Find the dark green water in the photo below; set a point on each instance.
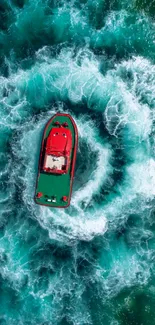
(94, 263)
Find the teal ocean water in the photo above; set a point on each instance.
(93, 263)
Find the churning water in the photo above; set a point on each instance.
(93, 263)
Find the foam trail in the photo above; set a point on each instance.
(102, 168)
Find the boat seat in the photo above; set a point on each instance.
(54, 162)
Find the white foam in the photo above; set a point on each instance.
(83, 226)
(125, 111)
(102, 167)
(143, 77)
(143, 177)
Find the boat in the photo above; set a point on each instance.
(57, 162)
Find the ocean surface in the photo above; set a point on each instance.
(94, 262)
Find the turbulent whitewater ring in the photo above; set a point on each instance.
(93, 262)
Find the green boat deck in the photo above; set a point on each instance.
(55, 184)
